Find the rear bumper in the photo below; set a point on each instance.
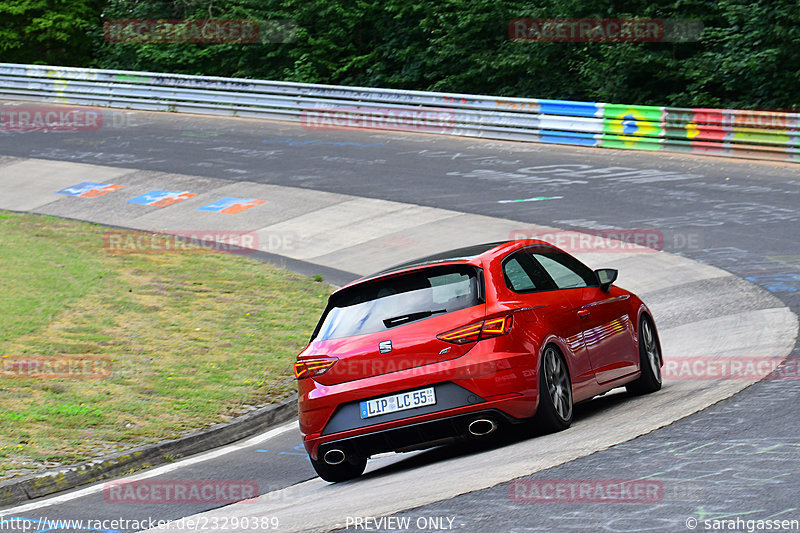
(503, 384)
(417, 435)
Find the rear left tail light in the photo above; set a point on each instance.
(308, 368)
(493, 327)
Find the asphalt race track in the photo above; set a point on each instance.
(727, 284)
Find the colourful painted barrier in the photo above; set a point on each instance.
(719, 132)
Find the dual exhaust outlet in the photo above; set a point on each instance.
(479, 427)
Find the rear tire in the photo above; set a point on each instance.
(351, 468)
(649, 360)
(555, 392)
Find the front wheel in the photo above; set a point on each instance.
(351, 468)
(555, 392)
(649, 360)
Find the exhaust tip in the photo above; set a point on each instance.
(334, 457)
(481, 427)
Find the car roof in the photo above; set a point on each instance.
(468, 254)
(459, 254)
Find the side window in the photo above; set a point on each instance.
(516, 278)
(522, 274)
(566, 271)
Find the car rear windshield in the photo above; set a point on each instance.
(388, 303)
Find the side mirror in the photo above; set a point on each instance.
(606, 276)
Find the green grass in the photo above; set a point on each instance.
(191, 338)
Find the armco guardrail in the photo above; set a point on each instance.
(719, 132)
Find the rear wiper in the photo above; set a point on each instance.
(410, 317)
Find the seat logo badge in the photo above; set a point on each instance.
(385, 347)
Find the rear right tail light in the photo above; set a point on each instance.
(494, 327)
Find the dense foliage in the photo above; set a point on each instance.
(747, 57)
(51, 32)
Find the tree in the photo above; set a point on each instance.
(746, 57)
(48, 32)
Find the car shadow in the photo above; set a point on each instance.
(506, 435)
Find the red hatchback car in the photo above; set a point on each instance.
(452, 345)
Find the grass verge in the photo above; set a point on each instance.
(186, 338)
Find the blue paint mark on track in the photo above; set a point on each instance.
(230, 205)
(776, 281)
(161, 198)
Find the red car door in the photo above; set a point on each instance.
(549, 309)
(608, 333)
(603, 316)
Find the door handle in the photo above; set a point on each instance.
(584, 314)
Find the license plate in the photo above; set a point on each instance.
(398, 402)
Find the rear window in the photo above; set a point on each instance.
(385, 304)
